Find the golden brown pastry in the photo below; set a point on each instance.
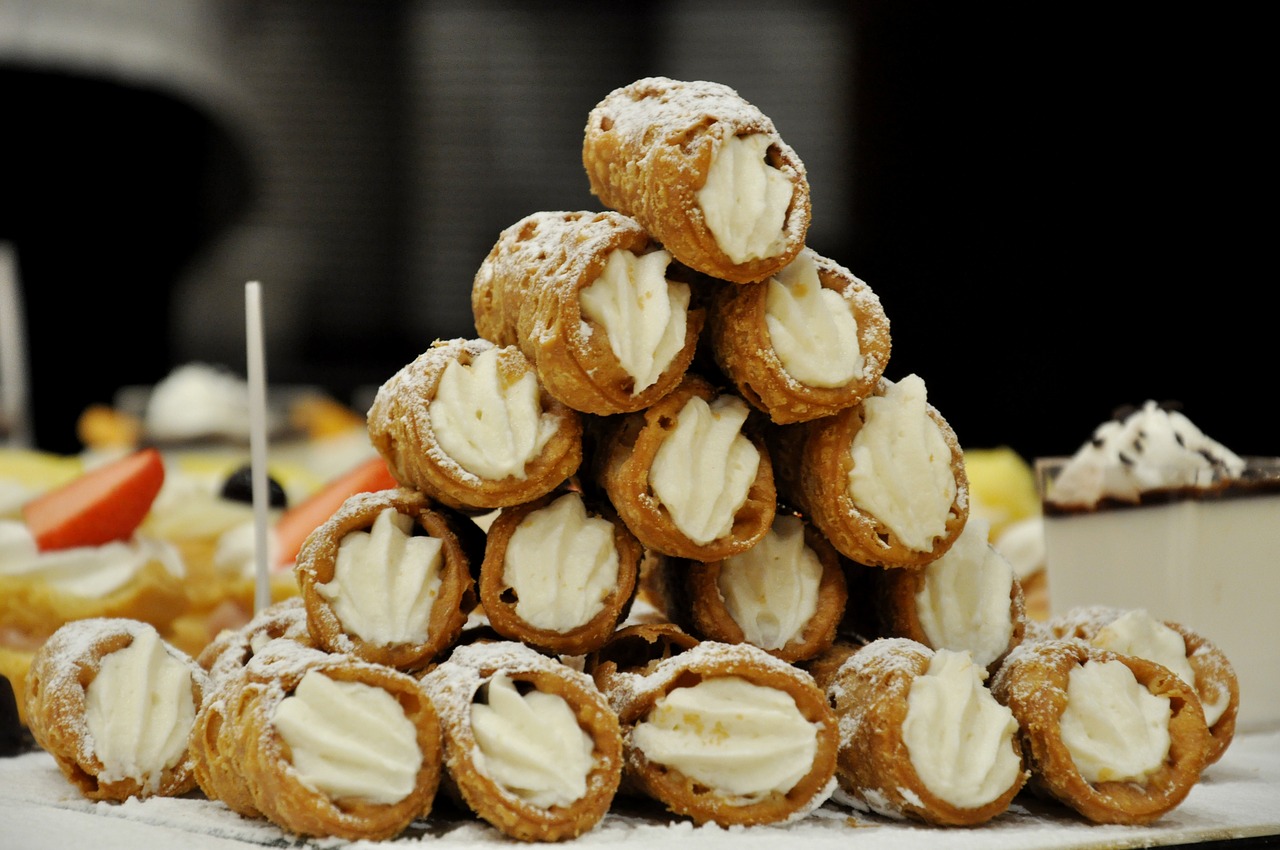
(232, 648)
(1117, 738)
(597, 306)
(634, 650)
(806, 343)
(786, 594)
(1191, 656)
(531, 745)
(468, 424)
(559, 573)
(883, 480)
(726, 734)
(689, 475)
(322, 744)
(114, 705)
(704, 171)
(921, 736)
(967, 599)
(386, 579)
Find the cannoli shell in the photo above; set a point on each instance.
(635, 697)
(625, 453)
(56, 693)
(401, 430)
(497, 596)
(526, 293)
(742, 347)
(452, 686)
(1033, 684)
(648, 149)
(813, 460)
(869, 685)
(317, 564)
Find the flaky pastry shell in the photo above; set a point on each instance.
(648, 148)
(743, 349)
(317, 563)
(1032, 682)
(526, 293)
(400, 428)
(626, 446)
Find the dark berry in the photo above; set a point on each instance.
(239, 488)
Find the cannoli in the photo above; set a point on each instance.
(727, 734)
(114, 705)
(883, 480)
(921, 736)
(559, 573)
(808, 342)
(689, 476)
(632, 651)
(594, 303)
(1192, 657)
(136, 579)
(702, 170)
(530, 744)
(968, 599)
(786, 594)
(386, 578)
(325, 744)
(1117, 738)
(467, 423)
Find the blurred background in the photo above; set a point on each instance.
(1061, 208)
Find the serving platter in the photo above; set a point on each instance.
(1237, 802)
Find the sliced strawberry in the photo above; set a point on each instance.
(303, 518)
(106, 503)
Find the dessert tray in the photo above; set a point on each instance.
(1235, 801)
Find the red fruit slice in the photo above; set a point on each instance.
(297, 522)
(107, 503)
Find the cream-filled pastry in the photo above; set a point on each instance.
(386, 578)
(807, 342)
(1117, 738)
(598, 307)
(704, 171)
(921, 736)
(559, 573)
(726, 734)
(114, 704)
(883, 480)
(468, 423)
(687, 475)
(531, 745)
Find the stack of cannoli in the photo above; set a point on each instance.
(667, 527)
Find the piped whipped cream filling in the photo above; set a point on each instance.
(139, 711)
(958, 736)
(771, 590)
(1139, 634)
(88, 571)
(643, 314)
(1150, 449)
(562, 564)
(385, 581)
(704, 468)
(745, 199)
(531, 744)
(1115, 729)
(812, 328)
(490, 428)
(743, 740)
(964, 601)
(901, 471)
(349, 740)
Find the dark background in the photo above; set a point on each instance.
(1063, 208)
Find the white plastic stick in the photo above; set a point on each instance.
(258, 442)
(14, 377)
